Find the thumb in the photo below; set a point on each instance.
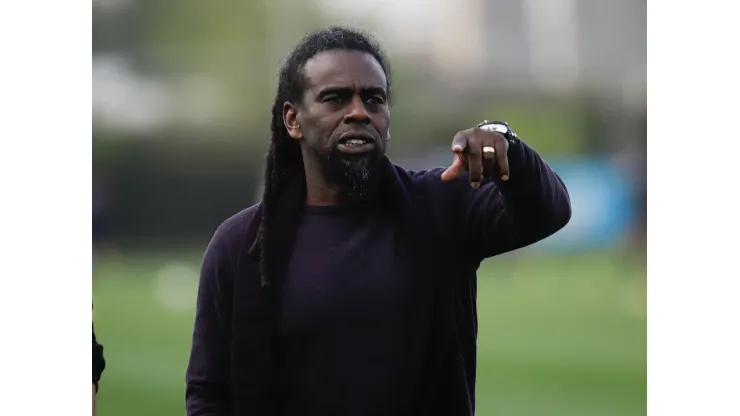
(455, 170)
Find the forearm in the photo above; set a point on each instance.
(530, 206)
(207, 399)
(207, 389)
(534, 190)
(207, 378)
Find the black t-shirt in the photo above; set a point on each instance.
(344, 326)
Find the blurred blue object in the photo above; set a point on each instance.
(602, 203)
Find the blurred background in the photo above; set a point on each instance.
(181, 99)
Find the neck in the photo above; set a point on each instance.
(319, 192)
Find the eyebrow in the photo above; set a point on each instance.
(337, 90)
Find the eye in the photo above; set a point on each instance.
(335, 99)
(376, 100)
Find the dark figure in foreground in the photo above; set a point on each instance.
(351, 288)
(98, 365)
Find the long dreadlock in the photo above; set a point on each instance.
(284, 159)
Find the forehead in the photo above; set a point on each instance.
(339, 67)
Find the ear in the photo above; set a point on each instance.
(290, 118)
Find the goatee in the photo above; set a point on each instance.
(355, 175)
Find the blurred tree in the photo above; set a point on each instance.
(236, 44)
(116, 29)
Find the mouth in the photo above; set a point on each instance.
(356, 143)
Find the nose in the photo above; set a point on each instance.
(357, 112)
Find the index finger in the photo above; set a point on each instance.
(457, 168)
(459, 143)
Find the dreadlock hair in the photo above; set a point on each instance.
(284, 158)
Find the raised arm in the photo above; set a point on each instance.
(523, 202)
(207, 379)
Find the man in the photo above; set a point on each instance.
(351, 288)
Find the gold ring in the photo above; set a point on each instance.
(489, 149)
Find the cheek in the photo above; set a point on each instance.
(382, 124)
(385, 117)
(310, 127)
(318, 134)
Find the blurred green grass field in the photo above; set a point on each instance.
(558, 335)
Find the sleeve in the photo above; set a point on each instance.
(207, 377)
(504, 216)
(98, 361)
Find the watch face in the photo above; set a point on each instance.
(498, 128)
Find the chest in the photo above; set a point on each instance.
(345, 274)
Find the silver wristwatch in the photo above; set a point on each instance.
(500, 127)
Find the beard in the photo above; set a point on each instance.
(356, 176)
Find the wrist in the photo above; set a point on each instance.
(505, 130)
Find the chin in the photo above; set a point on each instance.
(356, 175)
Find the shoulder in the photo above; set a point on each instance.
(237, 232)
(227, 251)
(238, 225)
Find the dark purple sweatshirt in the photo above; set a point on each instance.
(375, 313)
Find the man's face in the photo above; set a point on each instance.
(343, 119)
